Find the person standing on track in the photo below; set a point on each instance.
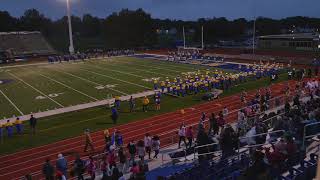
(79, 167)
(48, 170)
(156, 146)
(148, 144)
(33, 124)
(62, 165)
(132, 150)
(88, 141)
(182, 135)
(189, 135)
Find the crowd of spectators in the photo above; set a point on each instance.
(274, 139)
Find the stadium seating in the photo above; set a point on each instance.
(25, 43)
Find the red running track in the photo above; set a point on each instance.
(30, 161)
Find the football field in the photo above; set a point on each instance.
(35, 88)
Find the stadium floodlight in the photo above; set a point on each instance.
(71, 47)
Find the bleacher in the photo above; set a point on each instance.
(25, 43)
(242, 164)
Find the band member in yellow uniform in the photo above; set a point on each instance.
(18, 124)
(162, 85)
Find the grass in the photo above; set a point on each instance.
(75, 83)
(72, 124)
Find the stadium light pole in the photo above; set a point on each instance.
(202, 43)
(254, 35)
(184, 38)
(71, 47)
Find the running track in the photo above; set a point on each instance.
(30, 161)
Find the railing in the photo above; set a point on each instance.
(305, 137)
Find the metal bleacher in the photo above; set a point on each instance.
(25, 43)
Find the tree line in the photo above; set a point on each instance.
(136, 28)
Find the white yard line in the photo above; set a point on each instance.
(117, 71)
(116, 79)
(92, 82)
(165, 75)
(35, 89)
(69, 87)
(11, 102)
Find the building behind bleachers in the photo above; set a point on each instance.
(25, 43)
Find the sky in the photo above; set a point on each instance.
(172, 9)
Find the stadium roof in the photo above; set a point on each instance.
(305, 36)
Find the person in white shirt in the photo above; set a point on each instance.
(182, 135)
(148, 144)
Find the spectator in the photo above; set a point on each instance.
(132, 150)
(122, 177)
(79, 167)
(122, 160)
(225, 112)
(112, 158)
(131, 104)
(214, 127)
(148, 144)
(189, 135)
(141, 150)
(107, 139)
(182, 135)
(145, 103)
(88, 141)
(91, 168)
(221, 121)
(33, 124)
(135, 169)
(62, 165)
(117, 139)
(48, 170)
(104, 167)
(228, 141)
(115, 174)
(156, 146)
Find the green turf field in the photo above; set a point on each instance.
(48, 86)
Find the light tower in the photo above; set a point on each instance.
(71, 47)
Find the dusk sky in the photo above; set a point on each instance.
(173, 9)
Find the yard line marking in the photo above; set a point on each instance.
(68, 87)
(11, 102)
(35, 89)
(117, 71)
(92, 82)
(115, 78)
(165, 75)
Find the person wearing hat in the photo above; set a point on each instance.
(88, 141)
